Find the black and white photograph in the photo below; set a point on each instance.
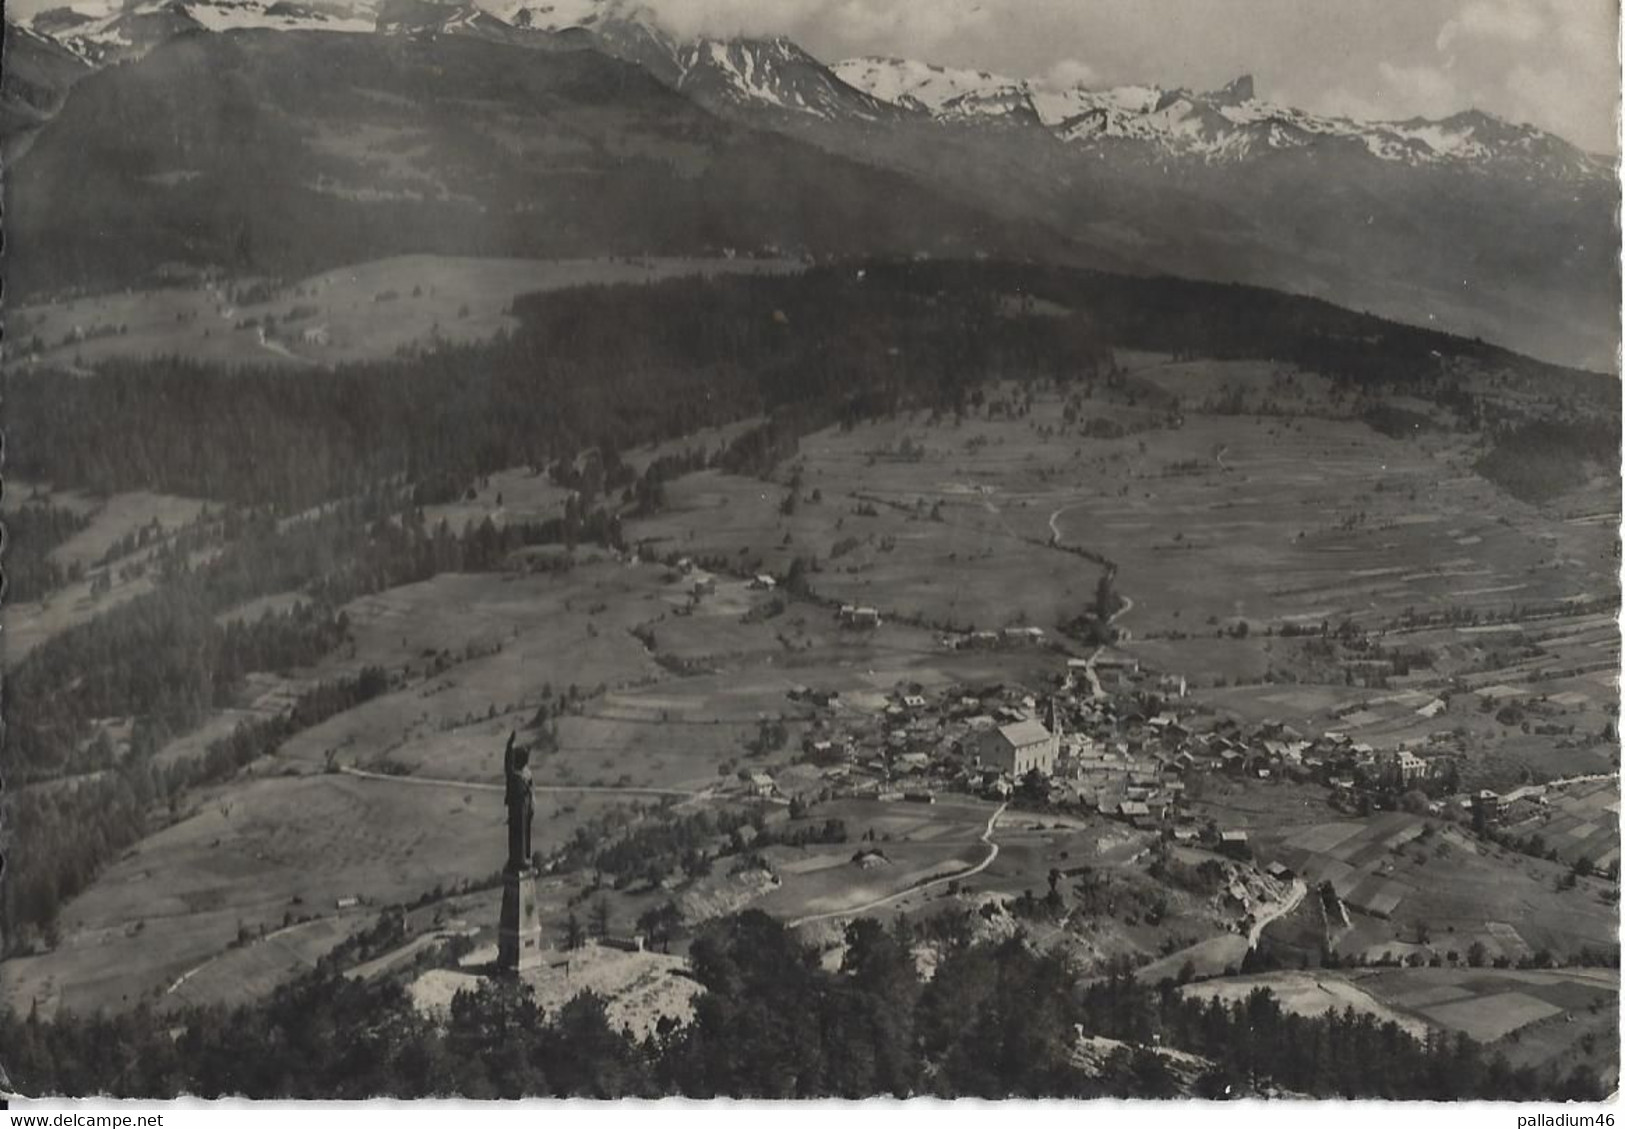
(808, 549)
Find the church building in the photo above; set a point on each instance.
(1017, 749)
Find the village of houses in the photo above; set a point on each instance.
(1109, 738)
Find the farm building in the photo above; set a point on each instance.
(1115, 670)
(1534, 792)
(1407, 766)
(854, 616)
(1117, 662)
(1018, 748)
(1489, 804)
(763, 582)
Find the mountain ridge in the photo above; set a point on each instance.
(1469, 222)
(1224, 124)
(775, 71)
(285, 153)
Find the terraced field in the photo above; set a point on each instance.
(1411, 886)
(1580, 821)
(1501, 1007)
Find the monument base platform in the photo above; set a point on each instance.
(519, 931)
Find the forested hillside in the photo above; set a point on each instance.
(286, 153)
(997, 1019)
(617, 366)
(611, 367)
(603, 369)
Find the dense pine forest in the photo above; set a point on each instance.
(32, 530)
(595, 367)
(996, 1019)
(166, 660)
(616, 367)
(1540, 459)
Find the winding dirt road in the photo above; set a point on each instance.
(1275, 910)
(854, 911)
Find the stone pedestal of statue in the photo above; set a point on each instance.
(519, 932)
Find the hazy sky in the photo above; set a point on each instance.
(1549, 62)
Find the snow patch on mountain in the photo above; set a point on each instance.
(945, 92)
(555, 15)
(1229, 124)
(774, 73)
(282, 15)
(102, 32)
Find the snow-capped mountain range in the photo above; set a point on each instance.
(1226, 124)
(100, 33)
(1470, 223)
(777, 77)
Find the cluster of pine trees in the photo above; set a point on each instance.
(611, 367)
(1540, 459)
(168, 659)
(996, 1019)
(651, 851)
(320, 472)
(32, 531)
(60, 834)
